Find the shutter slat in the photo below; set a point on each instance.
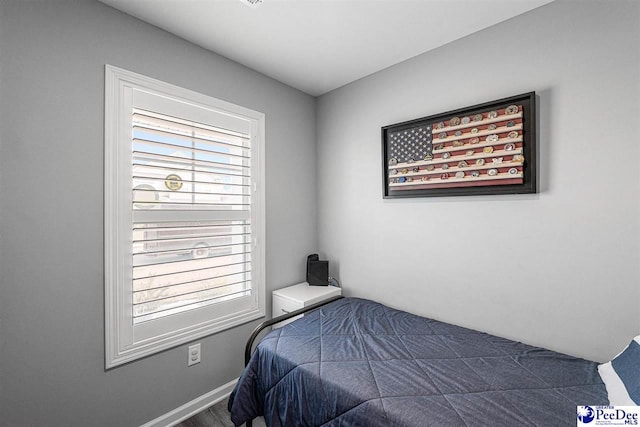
(207, 275)
(177, 204)
(140, 297)
(146, 156)
(167, 169)
(186, 181)
(178, 300)
(162, 121)
(162, 280)
(150, 257)
(188, 238)
(145, 141)
(188, 306)
(194, 288)
(190, 193)
(139, 129)
(143, 271)
(211, 225)
(182, 215)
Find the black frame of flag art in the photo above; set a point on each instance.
(488, 148)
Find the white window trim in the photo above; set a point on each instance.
(120, 346)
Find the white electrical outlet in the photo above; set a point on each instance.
(194, 354)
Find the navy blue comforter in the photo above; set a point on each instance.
(359, 363)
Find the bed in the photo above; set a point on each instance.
(355, 362)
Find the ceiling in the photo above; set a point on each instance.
(319, 45)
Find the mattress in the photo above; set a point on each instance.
(356, 362)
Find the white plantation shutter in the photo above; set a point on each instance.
(180, 166)
(189, 257)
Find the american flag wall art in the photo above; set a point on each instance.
(485, 149)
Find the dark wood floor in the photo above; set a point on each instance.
(215, 416)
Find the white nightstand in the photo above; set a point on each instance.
(295, 297)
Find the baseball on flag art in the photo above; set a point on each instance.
(484, 149)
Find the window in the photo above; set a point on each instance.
(184, 216)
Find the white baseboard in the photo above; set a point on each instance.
(189, 409)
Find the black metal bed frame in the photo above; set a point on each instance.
(249, 347)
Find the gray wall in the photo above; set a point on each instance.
(52, 57)
(559, 268)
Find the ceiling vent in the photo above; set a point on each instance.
(252, 3)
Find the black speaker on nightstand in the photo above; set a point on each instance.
(317, 271)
